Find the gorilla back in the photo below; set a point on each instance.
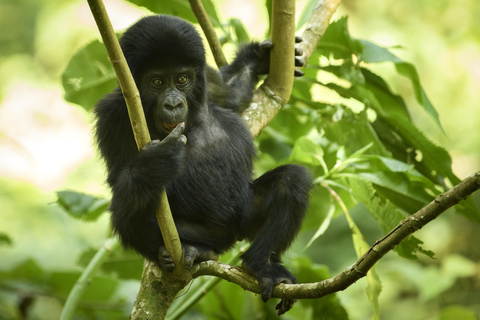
(201, 152)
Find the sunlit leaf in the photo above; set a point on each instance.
(337, 41)
(373, 54)
(306, 13)
(88, 76)
(240, 32)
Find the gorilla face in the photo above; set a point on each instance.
(165, 94)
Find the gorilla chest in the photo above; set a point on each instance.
(215, 183)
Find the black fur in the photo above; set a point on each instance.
(207, 170)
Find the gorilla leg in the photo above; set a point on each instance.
(281, 199)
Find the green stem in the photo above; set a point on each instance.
(86, 277)
(209, 31)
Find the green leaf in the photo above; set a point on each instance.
(354, 131)
(179, 8)
(307, 151)
(25, 270)
(399, 183)
(82, 206)
(386, 214)
(337, 41)
(88, 76)
(5, 239)
(306, 13)
(329, 307)
(374, 54)
(374, 288)
(454, 312)
(240, 32)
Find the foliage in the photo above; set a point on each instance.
(346, 124)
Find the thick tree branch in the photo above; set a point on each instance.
(139, 124)
(209, 32)
(360, 268)
(282, 63)
(267, 101)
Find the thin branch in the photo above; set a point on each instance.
(360, 268)
(139, 124)
(86, 277)
(316, 26)
(209, 31)
(266, 101)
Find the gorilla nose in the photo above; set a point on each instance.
(172, 103)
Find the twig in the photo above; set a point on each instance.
(316, 26)
(86, 277)
(209, 32)
(360, 268)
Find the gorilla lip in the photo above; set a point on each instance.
(169, 126)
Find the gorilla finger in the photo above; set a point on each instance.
(298, 52)
(176, 132)
(298, 73)
(284, 305)
(266, 288)
(189, 255)
(207, 255)
(267, 44)
(298, 39)
(182, 139)
(163, 252)
(299, 62)
(165, 259)
(150, 145)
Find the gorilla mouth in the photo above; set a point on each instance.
(169, 126)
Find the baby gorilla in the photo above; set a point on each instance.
(201, 154)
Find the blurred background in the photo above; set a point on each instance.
(46, 144)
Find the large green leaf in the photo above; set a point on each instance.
(329, 307)
(386, 214)
(82, 206)
(373, 53)
(436, 162)
(241, 32)
(336, 41)
(179, 8)
(88, 76)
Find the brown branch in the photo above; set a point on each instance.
(139, 124)
(209, 32)
(267, 101)
(360, 268)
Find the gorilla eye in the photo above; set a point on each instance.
(157, 82)
(182, 79)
